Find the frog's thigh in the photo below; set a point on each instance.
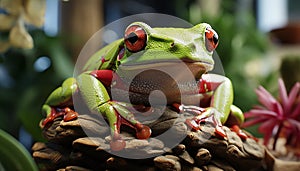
(97, 99)
(93, 92)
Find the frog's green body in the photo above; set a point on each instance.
(136, 64)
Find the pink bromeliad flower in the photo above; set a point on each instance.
(277, 117)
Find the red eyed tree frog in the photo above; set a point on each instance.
(146, 47)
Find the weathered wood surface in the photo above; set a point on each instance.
(68, 148)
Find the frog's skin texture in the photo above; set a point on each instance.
(145, 48)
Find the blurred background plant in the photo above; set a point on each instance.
(24, 73)
(29, 73)
(13, 15)
(28, 69)
(278, 118)
(251, 56)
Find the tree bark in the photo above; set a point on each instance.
(79, 21)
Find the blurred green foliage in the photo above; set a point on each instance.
(289, 70)
(27, 81)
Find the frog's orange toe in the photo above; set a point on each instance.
(47, 120)
(117, 145)
(220, 132)
(142, 131)
(239, 132)
(70, 115)
(193, 124)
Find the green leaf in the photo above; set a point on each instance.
(29, 112)
(13, 155)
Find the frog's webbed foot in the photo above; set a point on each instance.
(118, 115)
(117, 143)
(54, 112)
(202, 115)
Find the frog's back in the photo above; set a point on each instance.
(104, 58)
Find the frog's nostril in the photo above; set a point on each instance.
(172, 44)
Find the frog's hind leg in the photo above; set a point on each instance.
(142, 131)
(98, 100)
(117, 115)
(114, 120)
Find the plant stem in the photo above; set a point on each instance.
(277, 136)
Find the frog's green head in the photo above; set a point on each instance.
(146, 46)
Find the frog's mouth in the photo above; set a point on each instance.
(198, 68)
(176, 67)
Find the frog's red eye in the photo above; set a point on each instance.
(135, 38)
(211, 39)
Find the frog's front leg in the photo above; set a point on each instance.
(98, 100)
(220, 107)
(59, 102)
